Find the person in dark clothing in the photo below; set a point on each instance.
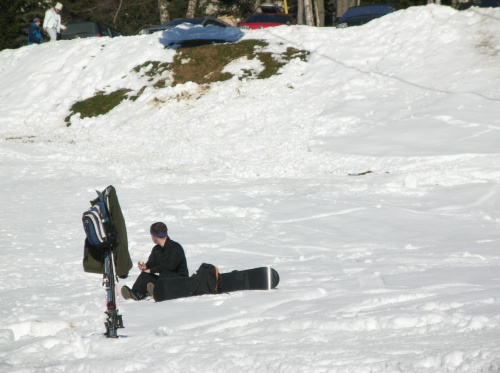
(167, 259)
(34, 34)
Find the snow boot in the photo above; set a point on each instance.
(151, 289)
(128, 293)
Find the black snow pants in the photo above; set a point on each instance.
(140, 285)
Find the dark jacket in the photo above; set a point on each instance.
(169, 258)
(93, 257)
(34, 35)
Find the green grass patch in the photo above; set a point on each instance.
(201, 62)
(98, 105)
(151, 68)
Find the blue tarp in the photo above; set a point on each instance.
(364, 10)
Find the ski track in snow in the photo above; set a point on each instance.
(368, 177)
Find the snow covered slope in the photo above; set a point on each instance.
(368, 177)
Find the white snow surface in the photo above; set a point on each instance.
(368, 177)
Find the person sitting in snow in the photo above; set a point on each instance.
(167, 259)
(34, 34)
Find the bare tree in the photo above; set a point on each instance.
(191, 9)
(315, 12)
(300, 12)
(163, 11)
(309, 12)
(116, 14)
(256, 4)
(319, 12)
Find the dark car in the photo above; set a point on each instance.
(88, 30)
(359, 15)
(479, 4)
(203, 21)
(263, 20)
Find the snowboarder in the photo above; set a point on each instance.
(34, 34)
(167, 260)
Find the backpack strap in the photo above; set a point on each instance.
(217, 280)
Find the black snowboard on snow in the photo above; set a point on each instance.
(263, 278)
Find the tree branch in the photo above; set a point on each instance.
(116, 14)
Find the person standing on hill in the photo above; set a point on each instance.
(34, 34)
(52, 22)
(167, 259)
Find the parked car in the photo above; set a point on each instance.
(263, 20)
(359, 15)
(270, 8)
(203, 21)
(88, 30)
(479, 4)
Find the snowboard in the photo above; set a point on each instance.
(263, 278)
